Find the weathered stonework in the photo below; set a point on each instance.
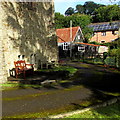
(26, 33)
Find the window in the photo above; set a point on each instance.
(78, 36)
(65, 46)
(33, 59)
(23, 56)
(102, 41)
(81, 48)
(103, 34)
(94, 34)
(113, 32)
(18, 57)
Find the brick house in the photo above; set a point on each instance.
(26, 32)
(104, 32)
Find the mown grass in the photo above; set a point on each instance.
(71, 70)
(112, 111)
(11, 85)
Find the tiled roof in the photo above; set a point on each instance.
(105, 26)
(64, 34)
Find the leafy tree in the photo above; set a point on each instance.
(89, 7)
(114, 51)
(59, 20)
(77, 20)
(69, 11)
(107, 13)
(79, 9)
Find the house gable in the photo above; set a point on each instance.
(64, 35)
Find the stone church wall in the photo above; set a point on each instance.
(27, 32)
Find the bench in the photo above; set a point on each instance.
(22, 67)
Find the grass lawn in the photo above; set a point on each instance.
(10, 85)
(112, 111)
(71, 70)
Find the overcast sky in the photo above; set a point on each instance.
(62, 5)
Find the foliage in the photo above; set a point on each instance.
(94, 42)
(80, 9)
(69, 11)
(59, 20)
(97, 43)
(77, 20)
(106, 13)
(113, 58)
(111, 61)
(88, 7)
(98, 12)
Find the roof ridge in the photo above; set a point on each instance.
(68, 28)
(104, 22)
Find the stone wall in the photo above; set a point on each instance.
(27, 32)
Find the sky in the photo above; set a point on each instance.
(62, 5)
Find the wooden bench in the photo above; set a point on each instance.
(22, 67)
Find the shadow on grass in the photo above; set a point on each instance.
(35, 80)
(97, 79)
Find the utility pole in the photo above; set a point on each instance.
(70, 38)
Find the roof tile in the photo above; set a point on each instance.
(64, 34)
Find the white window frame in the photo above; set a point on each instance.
(65, 46)
(81, 48)
(103, 33)
(78, 37)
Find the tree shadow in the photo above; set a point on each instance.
(32, 31)
(98, 79)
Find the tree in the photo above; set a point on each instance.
(59, 20)
(79, 9)
(107, 13)
(82, 21)
(69, 11)
(88, 7)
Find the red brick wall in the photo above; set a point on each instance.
(108, 38)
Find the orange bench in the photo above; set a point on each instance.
(22, 67)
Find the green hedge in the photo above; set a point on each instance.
(111, 61)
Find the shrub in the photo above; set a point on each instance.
(111, 61)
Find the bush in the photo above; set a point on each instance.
(111, 61)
